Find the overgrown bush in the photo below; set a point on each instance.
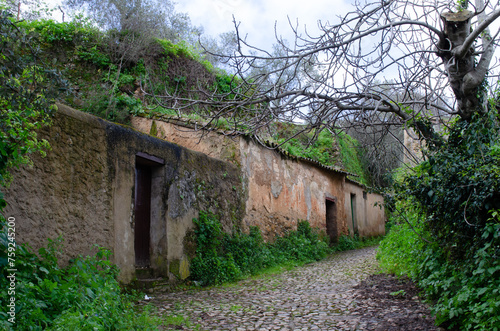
(466, 294)
(211, 264)
(446, 226)
(222, 257)
(325, 147)
(459, 184)
(347, 242)
(82, 296)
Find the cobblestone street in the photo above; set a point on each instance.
(317, 296)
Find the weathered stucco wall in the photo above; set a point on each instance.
(84, 191)
(365, 212)
(281, 191)
(71, 184)
(210, 143)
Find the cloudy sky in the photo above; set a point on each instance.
(258, 17)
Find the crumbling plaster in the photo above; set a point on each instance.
(280, 191)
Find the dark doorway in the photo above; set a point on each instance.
(354, 216)
(144, 167)
(142, 215)
(331, 220)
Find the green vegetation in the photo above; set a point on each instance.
(105, 69)
(464, 293)
(222, 257)
(324, 147)
(352, 157)
(85, 295)
(27, 91)
(346, 243)
(445, 231)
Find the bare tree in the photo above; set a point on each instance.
(436, 54)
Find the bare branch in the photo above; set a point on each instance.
(406, 62)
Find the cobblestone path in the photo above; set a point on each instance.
(317, 296)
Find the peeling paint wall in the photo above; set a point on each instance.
(84, 191)
(282, 191)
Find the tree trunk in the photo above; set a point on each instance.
(461, 69)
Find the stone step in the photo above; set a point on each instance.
(147, 283)
(143, 273)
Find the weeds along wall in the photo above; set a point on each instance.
(84, 190)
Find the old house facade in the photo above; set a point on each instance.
(136, 191)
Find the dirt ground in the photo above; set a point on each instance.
(392, 303)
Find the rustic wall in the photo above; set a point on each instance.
(72, 183)
(280, 191)
(210, 143)
(84, 191)
(369, 215)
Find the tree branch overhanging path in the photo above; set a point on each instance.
(384, 63)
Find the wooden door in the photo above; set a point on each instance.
(142, 211)
(331, 220)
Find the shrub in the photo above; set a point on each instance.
(465, 294)
(459, 184)
(211, 264)
(221, 257)
(82, 296)
(446, 226)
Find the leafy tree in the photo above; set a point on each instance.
(147, 18)
(26, 9)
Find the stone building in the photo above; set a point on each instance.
(135, 190)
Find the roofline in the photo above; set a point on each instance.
(197, 126)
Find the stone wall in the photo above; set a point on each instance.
(84, 191)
